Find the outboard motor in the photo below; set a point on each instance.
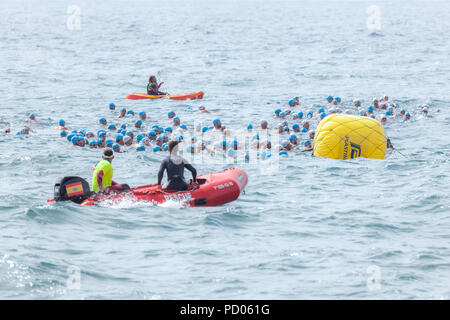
(75, 189)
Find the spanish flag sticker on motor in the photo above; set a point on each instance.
(74, 189)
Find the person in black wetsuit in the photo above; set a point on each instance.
(174, 164)
(153, 87)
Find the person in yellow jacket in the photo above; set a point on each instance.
(103, 172)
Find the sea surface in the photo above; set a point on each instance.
(316, 229)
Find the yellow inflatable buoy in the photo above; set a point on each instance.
(343, 136)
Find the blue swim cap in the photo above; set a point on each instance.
(204, 129)
(283, 153)
(256, 136)
(141, 113)
(309, 114)
(249, 127)
(115, 146)
(109, 143)
(156, 148)
(120, 130)
(304, 130)
(152, 134)
(159, 138)
(139, 137)
(63, 133)
(323, 115)
(286, 128)
(295, 126)
(70, 136)
(300, 115)
(247, 156)
(183, 126)
(293, 137)
(337, 99)
(329, 97)
(170, 113)
(118, 137)
(306, 142)
(176, 118)
(123, 126)
(216, 121)
(75, 139)
(139, 121)
(407, 114)
(74, 131)
(291, 102)
(140, 148)
(388, 112)
(101, 120)
(112, 127)
(168, 129)
(93, 143)
(101, 133)
(130, 112)
(180, 138)
(83, 132)
(112, 106)
(321, 110)
(129, 133)
(62, 122)
(235, 142)
(165, 146)
(277, 111)
(32, 115)
(282, 114)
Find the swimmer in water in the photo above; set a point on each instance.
(264, 125)
(307, 146)
(312, 134)
(142, 116)
(153, 87)
(424, 110)
(389, 144)
(383, 120)
(294, 102)
(296, 128)
(407, 116)
(62, 125)
(356, 103)
(102, 122)
(306, 125)
(336, 101)
(123, 113)
(330, 99)
(202, 109)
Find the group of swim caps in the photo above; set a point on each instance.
(299, 133)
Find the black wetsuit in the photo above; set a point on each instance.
(175, 174)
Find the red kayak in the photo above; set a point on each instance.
(213, 189)
(192, 96)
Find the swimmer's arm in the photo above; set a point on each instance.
(192, 170)
(161, 172)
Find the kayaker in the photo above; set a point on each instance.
(174, 164)
(103, 172)
(153, 87)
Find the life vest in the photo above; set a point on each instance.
(107, 169)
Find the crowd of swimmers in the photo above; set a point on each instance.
(124, 130)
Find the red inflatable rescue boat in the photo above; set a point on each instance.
(211, 189)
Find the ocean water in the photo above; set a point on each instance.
(316, 229)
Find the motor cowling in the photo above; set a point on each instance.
(72, 188)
